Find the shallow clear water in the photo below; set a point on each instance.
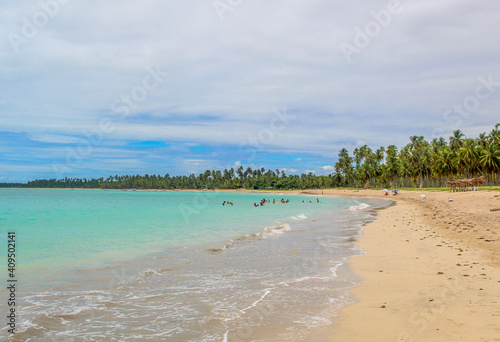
(179, 266)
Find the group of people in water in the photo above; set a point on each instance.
(264, 201)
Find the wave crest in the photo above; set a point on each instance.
(263, 235)
(358, 207)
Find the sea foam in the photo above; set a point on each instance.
(358, 207)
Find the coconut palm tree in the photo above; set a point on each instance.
(495, 134)
(457, 140)
(482, 140)
(468, 158)
(343, 167)
(392, 163)
(239, 171)
(419, 155)
(444, 162)
(357, 157)
(248, 172)
(490, 160)
(405, 167)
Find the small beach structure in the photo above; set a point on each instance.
(466, 184)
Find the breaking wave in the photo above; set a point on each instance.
(266, 233)
(358, 207)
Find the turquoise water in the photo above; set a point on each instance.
(64, 228)
(179, 266)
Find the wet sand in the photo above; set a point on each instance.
(431, 271)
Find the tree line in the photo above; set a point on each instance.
(419, 163)
(422, 163)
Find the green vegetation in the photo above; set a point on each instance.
(422, 164)
(418, 164)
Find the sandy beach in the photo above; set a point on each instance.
(431, 271)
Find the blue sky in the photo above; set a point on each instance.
(127, 87)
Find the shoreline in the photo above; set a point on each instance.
(176, 268)
(431, 271)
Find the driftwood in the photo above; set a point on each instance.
(496, 209)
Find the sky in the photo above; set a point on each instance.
(92, 89)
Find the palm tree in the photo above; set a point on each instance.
(419, 153)
(468, 157)
(438, 144)
(456, 141)
(405, 168)
(357, 156)
(248, 172)
(495, 135)
(482, 140)
(392, 163)
(444, 162)
(343, 167)
(379, 154)
(363, 157)
(239, 171)
(490, 160)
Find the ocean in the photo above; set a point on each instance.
(178, 266)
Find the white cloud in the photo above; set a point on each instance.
(225, 78)
(328, 168)
(56, 139)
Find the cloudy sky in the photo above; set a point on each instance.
(89, 89)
